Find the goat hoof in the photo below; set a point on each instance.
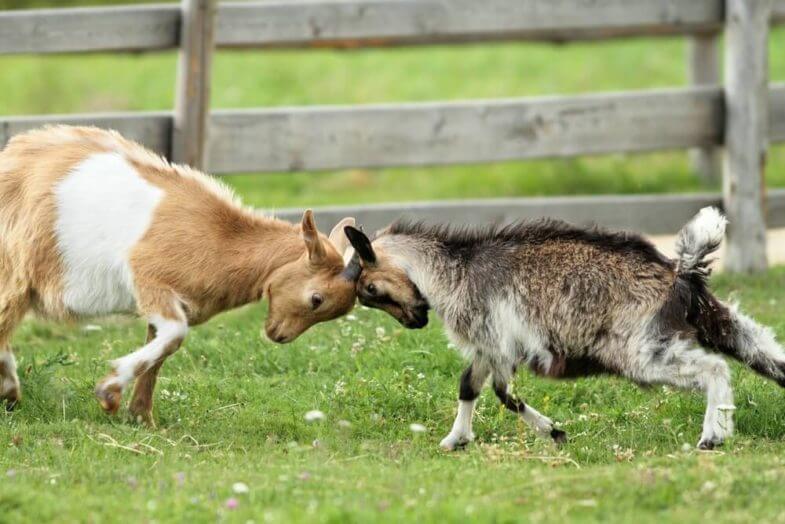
(709, 444)
(144, 418)
(450, 443)
(559, 436)
(11, 399)
(109, 397)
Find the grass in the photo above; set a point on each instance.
(230, 408)
(66, 84)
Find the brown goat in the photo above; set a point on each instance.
(92, 224)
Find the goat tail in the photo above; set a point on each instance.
(701, 237)
(720, 326)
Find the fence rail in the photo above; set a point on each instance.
(335, 137)
(655, 214)
(355, 23)
(704, 116)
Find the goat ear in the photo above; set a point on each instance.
(361, 244)
(337, 237)
(311, 236)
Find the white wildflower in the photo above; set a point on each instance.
(240, 488)
(340, 387)
(417, 428)
(314, 415)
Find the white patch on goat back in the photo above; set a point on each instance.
(104, 208)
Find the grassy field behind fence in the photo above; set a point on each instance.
(66, 84)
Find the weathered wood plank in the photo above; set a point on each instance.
(192, 98)
(777, 112)
(137, 28)
(351, 23)
(293, 139)
(703, 69)
(153, 129)
(652, 214)
(355, 23)
(746, 131)
(254, 135)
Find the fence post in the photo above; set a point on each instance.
(746, 130)
(703, 69)
(192, 98)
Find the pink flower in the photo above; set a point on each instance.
(232, 503)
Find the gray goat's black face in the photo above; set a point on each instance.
(383, 285)
(399, 298)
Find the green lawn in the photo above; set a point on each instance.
(230, 408)
(65, 84)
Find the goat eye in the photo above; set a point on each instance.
(316, 300)
(371, 289)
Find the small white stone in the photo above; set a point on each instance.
(240, 488)
(92, 327)
(314, 415)
(417, 428)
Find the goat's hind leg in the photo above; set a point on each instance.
(533, 418)
(141, 405)
(14, 303)
(674, 362)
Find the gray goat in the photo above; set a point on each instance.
(568, 302)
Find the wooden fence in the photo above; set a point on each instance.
(740, 117)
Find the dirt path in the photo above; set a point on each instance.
(775, 246)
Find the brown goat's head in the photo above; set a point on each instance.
(314, 288)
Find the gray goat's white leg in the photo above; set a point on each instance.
(472, 381)
(675, 363)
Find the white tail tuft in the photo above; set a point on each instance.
(699, 238)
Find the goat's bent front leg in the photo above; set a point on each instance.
(171, 327)
(533, 418)
(472, 381)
